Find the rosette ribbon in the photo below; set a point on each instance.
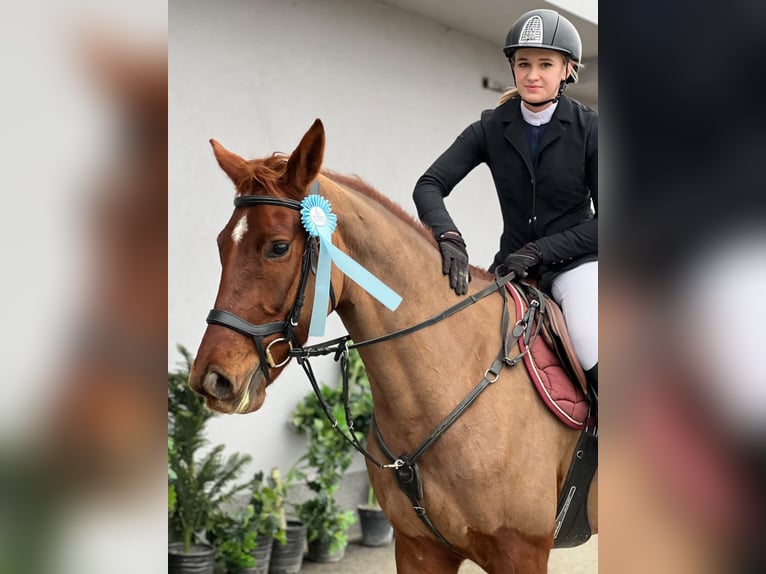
(319, 220)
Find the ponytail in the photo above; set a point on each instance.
(509, 94)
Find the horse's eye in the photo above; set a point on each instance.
(278, 249)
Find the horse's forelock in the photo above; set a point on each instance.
(264, 173)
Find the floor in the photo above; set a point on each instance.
(363, 560)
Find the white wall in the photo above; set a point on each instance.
(393, 91)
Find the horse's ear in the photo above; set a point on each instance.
(306, 161)
(234, 166)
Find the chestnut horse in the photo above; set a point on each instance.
(491, 482)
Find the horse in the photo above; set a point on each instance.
(492, 480)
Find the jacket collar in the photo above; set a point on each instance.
(510, 114)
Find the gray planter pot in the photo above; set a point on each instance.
(262, 555)
(199, 560)
(376, 529)
(288, 558)
(319, 551)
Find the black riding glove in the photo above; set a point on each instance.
(522, 262)
(455, 261)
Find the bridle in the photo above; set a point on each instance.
(287, 327)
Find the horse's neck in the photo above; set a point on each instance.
(395, 252)
(421, 372)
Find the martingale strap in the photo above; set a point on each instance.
(405, 466)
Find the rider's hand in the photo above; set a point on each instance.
(455, 261)
(524, 261)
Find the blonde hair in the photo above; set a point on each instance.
(512, 93)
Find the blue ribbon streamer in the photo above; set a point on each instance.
(319, 220)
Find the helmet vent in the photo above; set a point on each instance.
(532, 32)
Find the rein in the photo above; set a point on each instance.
(405, 465)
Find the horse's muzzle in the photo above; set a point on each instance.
(225, 394)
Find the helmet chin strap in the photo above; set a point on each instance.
(562, 87)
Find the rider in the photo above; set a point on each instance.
(542, 150)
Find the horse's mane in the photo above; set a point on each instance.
(357, 184)
(268, 171)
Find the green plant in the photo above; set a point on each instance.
(172, 477)
(267, 502)
(362, 407)
(360, 396)
(372, 500)
(327, 457)
(281, 488)
(234, 538)
(325, 521)
(360, 400)
(201, 484)
(235, 534)
(329, 454)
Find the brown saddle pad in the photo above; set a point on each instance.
(554, 369)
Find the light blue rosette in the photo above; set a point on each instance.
(319, 220)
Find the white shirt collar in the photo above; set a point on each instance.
(538, 118)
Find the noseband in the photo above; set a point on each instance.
(287, 327)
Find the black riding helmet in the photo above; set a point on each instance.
(545, 29)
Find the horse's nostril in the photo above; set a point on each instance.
(217, 386)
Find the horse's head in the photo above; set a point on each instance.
(266, 262)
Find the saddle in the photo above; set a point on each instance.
(560, 381)
(551, 360)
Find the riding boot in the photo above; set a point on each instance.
(591, 376)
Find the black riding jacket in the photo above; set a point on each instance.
(549, 203)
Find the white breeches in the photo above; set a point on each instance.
(576, 292)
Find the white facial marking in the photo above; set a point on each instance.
(240, 229)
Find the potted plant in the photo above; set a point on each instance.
(266, 500)
(243, 538)
(286, 551)
(171, 479)
(234, 539)
(327, 457)
(199, 484)
(376, 529)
